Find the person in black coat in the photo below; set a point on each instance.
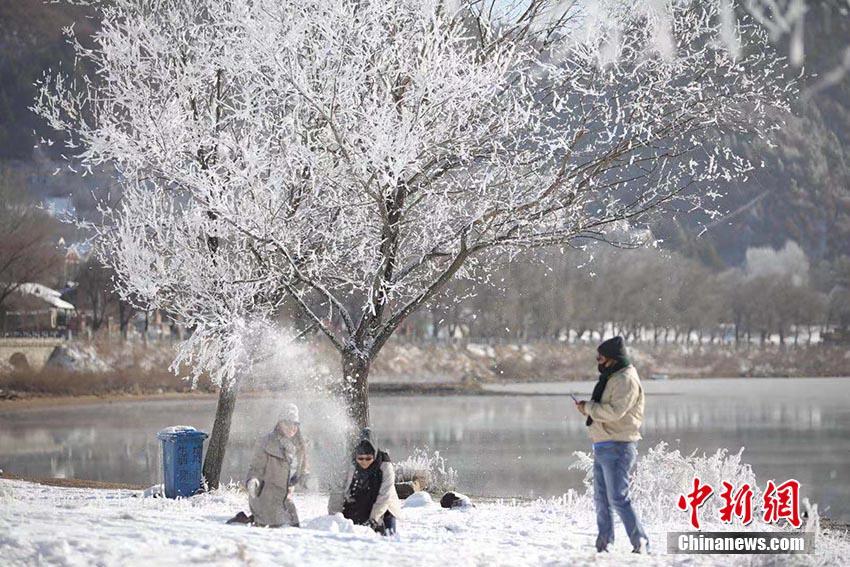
(369, 496)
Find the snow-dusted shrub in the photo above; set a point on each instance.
(441, 477)
(662, 474)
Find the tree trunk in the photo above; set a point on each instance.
(124, 315)
(355, 387)
(435, 325)
(147, 323)
(220, 433)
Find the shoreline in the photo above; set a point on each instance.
(72, 482)
(26, 400)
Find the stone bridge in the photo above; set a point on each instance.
(28, 352)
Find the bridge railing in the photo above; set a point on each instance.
(49, 334)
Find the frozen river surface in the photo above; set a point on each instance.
(519, 443)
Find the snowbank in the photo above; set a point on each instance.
(337, 524)
(419, 500)
(67, 526)
(78, 357)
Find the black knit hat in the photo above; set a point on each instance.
(613, 348)
(365, 447)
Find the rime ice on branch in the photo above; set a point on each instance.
(353, 157)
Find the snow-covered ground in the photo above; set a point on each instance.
(41, 525)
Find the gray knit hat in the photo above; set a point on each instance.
(289, 413)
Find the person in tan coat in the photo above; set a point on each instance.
(614, 415)
(278, 465)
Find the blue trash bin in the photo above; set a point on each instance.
(182, 453)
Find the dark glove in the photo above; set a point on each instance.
(377, 526)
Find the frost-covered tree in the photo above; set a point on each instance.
(354, 157)
(28, 250)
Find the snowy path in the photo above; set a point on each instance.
(41, 525)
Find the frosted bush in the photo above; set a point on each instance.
(662, 474)
(441, 477)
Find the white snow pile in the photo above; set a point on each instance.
(78, 357)
(176, 429)
(98, 357)
(418, 500)
(337, 524)
(155, 491)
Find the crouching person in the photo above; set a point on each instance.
(279, 463)
(369, 497)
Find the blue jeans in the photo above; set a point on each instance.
(611, 465)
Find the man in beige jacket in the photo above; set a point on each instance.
(614, 416)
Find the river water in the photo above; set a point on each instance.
(517, 443)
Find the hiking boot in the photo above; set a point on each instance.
(241, 518)
(642, 548)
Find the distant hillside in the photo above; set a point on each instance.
(31, 40)
(802, 193)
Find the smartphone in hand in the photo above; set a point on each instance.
(574, 398)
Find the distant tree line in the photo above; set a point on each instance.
(649, 295)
